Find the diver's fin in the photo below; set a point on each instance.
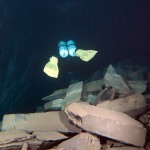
(51, 68)
(86, 55)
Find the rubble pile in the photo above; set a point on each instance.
(111, 113)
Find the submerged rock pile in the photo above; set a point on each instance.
(111, 113)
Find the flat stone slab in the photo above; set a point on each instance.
(49, 136)
(108, 123)
(12, 136)
(133, 105)
(82, 141)
(20, 140)
(48, 121)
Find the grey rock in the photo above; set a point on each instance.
(106, 94)
(54, 105)
(137, 86)
(56, 95)
(74, 94)
(115, 80)
(94, 85)
(91, 99)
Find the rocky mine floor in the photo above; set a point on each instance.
(105, 114)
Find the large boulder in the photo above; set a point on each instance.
(108, 123)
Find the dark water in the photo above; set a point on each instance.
(30, 31)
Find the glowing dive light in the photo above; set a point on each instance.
(63, 52)
(71, 48)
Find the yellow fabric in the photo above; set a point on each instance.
(51, 68)
(86, 55)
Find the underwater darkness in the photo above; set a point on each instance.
(31, 29)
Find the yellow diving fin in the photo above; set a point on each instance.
(85, 55)
(51, 68)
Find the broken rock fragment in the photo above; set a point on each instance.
(115, 80)
(138, 86)
(56, 95)
(106, 94)
(12, 136)
(108, 123)
(53, 105)
(49, 136)
(82, 141)
(94, 85)
(74, 94)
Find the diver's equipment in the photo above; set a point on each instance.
(51, 68)
(71, 48)
(63, 52)
(85, 55)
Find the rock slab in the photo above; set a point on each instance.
(49, 121)
(82, 141)
(133, 105)
(108, 123)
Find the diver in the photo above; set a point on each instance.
(67, 49)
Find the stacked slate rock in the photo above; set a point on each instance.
(110, 113)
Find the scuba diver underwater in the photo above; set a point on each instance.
(67, 49)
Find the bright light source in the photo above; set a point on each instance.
(71, 48)
(63, 52)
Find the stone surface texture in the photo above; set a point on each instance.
(113, 79)
(12, 136)
(74, 94)
(49, 121)
(82, 141)
(55, 95)
(54, 105)
(49, 136)
(108, 123)
(133, 105)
